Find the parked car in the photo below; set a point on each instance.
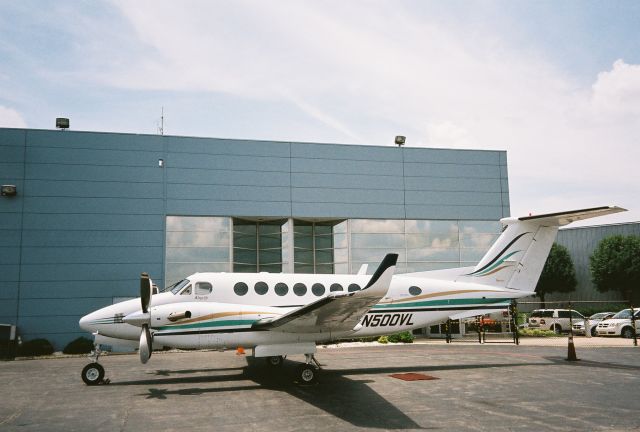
(557, 320)
(594, 320)
(620, 324)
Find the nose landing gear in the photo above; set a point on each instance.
(93, 373)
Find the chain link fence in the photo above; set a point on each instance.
(587, 324)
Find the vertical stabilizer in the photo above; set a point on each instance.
(517, 258)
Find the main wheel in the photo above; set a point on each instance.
(92, 374)
(275, 361)
(307, 374)
(627, 333)
(594, 331)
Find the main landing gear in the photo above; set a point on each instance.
(93, 373)
(307, 373)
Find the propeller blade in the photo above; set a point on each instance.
(145, 344)
(145, 292)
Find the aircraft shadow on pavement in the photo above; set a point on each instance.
(351, 400)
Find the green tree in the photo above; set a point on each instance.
(615, 266)
(558, 274)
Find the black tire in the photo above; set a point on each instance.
(275, 361)
(626, 333)
(557, 329)
(307, 374)
(93, 374)
(594, 331)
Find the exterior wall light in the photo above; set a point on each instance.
(62, 123)
(160, 163)
(400, 140)
(9, 190)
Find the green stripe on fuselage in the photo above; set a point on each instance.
(447, 302)
(220, 323)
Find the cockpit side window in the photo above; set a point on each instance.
(176, 287)
(186, 291)
(203, 288)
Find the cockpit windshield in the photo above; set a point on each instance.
(176, 287)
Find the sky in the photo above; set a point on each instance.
(555, 84)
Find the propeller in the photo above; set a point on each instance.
(145, 335)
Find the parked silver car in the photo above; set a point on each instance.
(594, 320)
(620, 324)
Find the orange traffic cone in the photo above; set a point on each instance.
(240, 351)
(571, 351)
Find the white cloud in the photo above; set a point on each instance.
(11, 118)
(369, 71)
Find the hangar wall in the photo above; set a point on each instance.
(91, 208)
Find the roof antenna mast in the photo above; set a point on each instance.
(161, 125)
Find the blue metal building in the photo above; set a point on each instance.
(93, 210)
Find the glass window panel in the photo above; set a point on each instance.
(373, 255)
(473, 227)
(432, 227)
(243, 256)
(177, 271)
(341, 268)
(483, 241)
(198, 223)
(324, 256)
(302, 230)
(323, 229)
(176, 239)
(303, 256)
(324, 242)
(472, 255)
(340, 227)
(303, 268)
(427, 266)
(341, 255)
(244, 242)
(245, 268)
(353, 287)
(271, 268)
(270, 242)
(196, 254)
(324, 268)
(377, 226)
(429, 241)
(433, 254)
(340, 240)
(377, 241)
(270, 257)
(304, 242)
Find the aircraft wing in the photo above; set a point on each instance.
(337, 312)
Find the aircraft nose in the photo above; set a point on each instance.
(85, 323)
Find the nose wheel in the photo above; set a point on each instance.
(93, 374)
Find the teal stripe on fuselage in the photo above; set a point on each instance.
(447, 302)
(221, 323)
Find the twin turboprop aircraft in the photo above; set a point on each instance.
(277, 314)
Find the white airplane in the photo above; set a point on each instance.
(278, 314)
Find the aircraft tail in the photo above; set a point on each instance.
(517, 258)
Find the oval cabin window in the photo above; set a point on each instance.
(300, 289)
(240, 288)
(281, 289)
(261, 288)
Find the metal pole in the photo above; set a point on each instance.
(447, 327)
(514, 320)
(633, 325)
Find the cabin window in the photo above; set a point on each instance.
(414, 290)
(261, 288)
(203, 288)
(240, 288)
(353, 287)
(300, 289)
(186, 291)
(336, 287)
(317, 289)
(281, 288)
